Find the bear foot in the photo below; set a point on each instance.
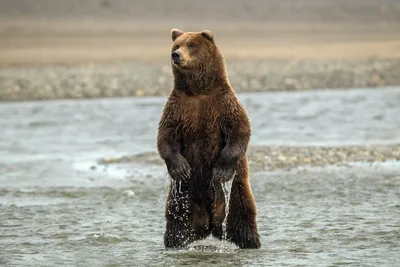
(245, 236)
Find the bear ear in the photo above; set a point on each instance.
(208, 35)
(175, 33)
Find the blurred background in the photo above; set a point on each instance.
(268, 45)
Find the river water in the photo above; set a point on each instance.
(59, 208)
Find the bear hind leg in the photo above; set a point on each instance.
(178, 230)
(241, 226)
(218, 212)
(177, 234)
(186, 221)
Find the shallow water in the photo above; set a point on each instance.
(55, 210)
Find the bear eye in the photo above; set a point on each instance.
(191, 45)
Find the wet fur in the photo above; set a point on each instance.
(203, 137)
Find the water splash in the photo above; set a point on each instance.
(176, 188)
(161, 197)
(106, 238)
(226, 188)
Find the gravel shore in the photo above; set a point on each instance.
(141, 79)
(263, 158)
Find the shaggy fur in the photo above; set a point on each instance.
(203, 137)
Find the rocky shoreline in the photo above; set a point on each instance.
(267, 158)
(144, 79)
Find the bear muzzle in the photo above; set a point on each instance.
(176, 57)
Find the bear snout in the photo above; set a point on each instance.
(176, 57)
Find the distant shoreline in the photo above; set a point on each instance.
(137, 79)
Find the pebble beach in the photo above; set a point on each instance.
(143, 79)
(268, 158)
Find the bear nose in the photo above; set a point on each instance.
(176, 56)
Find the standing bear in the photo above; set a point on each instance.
(203, 135)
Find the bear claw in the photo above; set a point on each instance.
(221, 175)
(180, 170)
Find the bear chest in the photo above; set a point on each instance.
(199, 120)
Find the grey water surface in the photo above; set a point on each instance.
(59, 208)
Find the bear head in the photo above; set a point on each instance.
(193, 50)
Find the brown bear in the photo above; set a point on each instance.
(203, 135)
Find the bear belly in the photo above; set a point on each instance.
(201, 155)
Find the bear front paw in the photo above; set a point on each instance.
(222, 175)
(179, 169)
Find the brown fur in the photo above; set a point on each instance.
(203, 137)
